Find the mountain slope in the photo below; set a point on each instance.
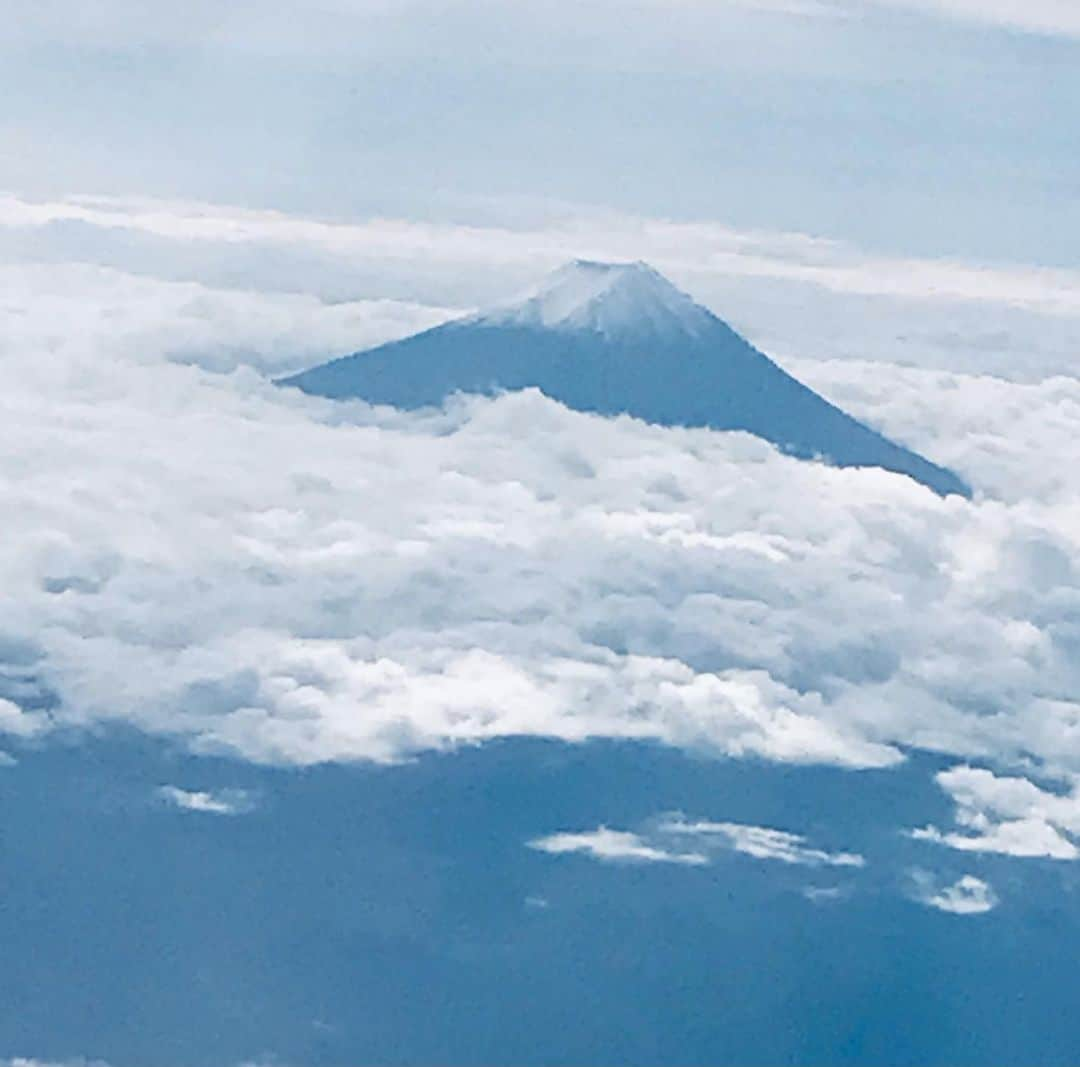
(614, 339)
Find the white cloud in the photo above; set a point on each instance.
(613, 846)
(693, 251)
(673, 839)
(143, 318)
(762, 842)
(1051, 17)
(252, 571)
(1013, 440)
(796, 296)
(23, 1061)
(825, 894)
(16, 722)
(1011, 816)
(966, 896)
(215, 802)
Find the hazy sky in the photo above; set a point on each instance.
(916, 126)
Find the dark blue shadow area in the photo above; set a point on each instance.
(365, 915)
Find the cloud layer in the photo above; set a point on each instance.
(252, 571)
(797, 295)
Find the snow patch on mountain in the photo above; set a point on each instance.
(616, 300)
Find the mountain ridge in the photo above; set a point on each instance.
(619, 338)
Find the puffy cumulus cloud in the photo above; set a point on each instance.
(968, 895)
(381, 700)
(613, 846)
(762, 843)
(674, 839)
(213, 802)
(245, 569)
(1011, 816)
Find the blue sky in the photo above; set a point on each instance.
(506, 733)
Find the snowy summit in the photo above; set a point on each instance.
(613, 299)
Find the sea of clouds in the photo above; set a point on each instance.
(196, 553)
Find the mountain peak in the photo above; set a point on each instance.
(615, 339)
(616, 300)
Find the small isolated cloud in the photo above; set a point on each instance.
(614, 846)
(24, 1061)
(220, 802)
(818, 894)
(1010, 816)
(763, 843)
(676, 840)
(966, 896)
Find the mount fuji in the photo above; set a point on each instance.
(619, 338)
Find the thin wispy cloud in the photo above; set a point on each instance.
(761, 842)
(614, 846)
(208, 802)
(688, 250)
(826, 894)
(1049, 17)
(674, 839)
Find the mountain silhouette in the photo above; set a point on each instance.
(619, 339)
